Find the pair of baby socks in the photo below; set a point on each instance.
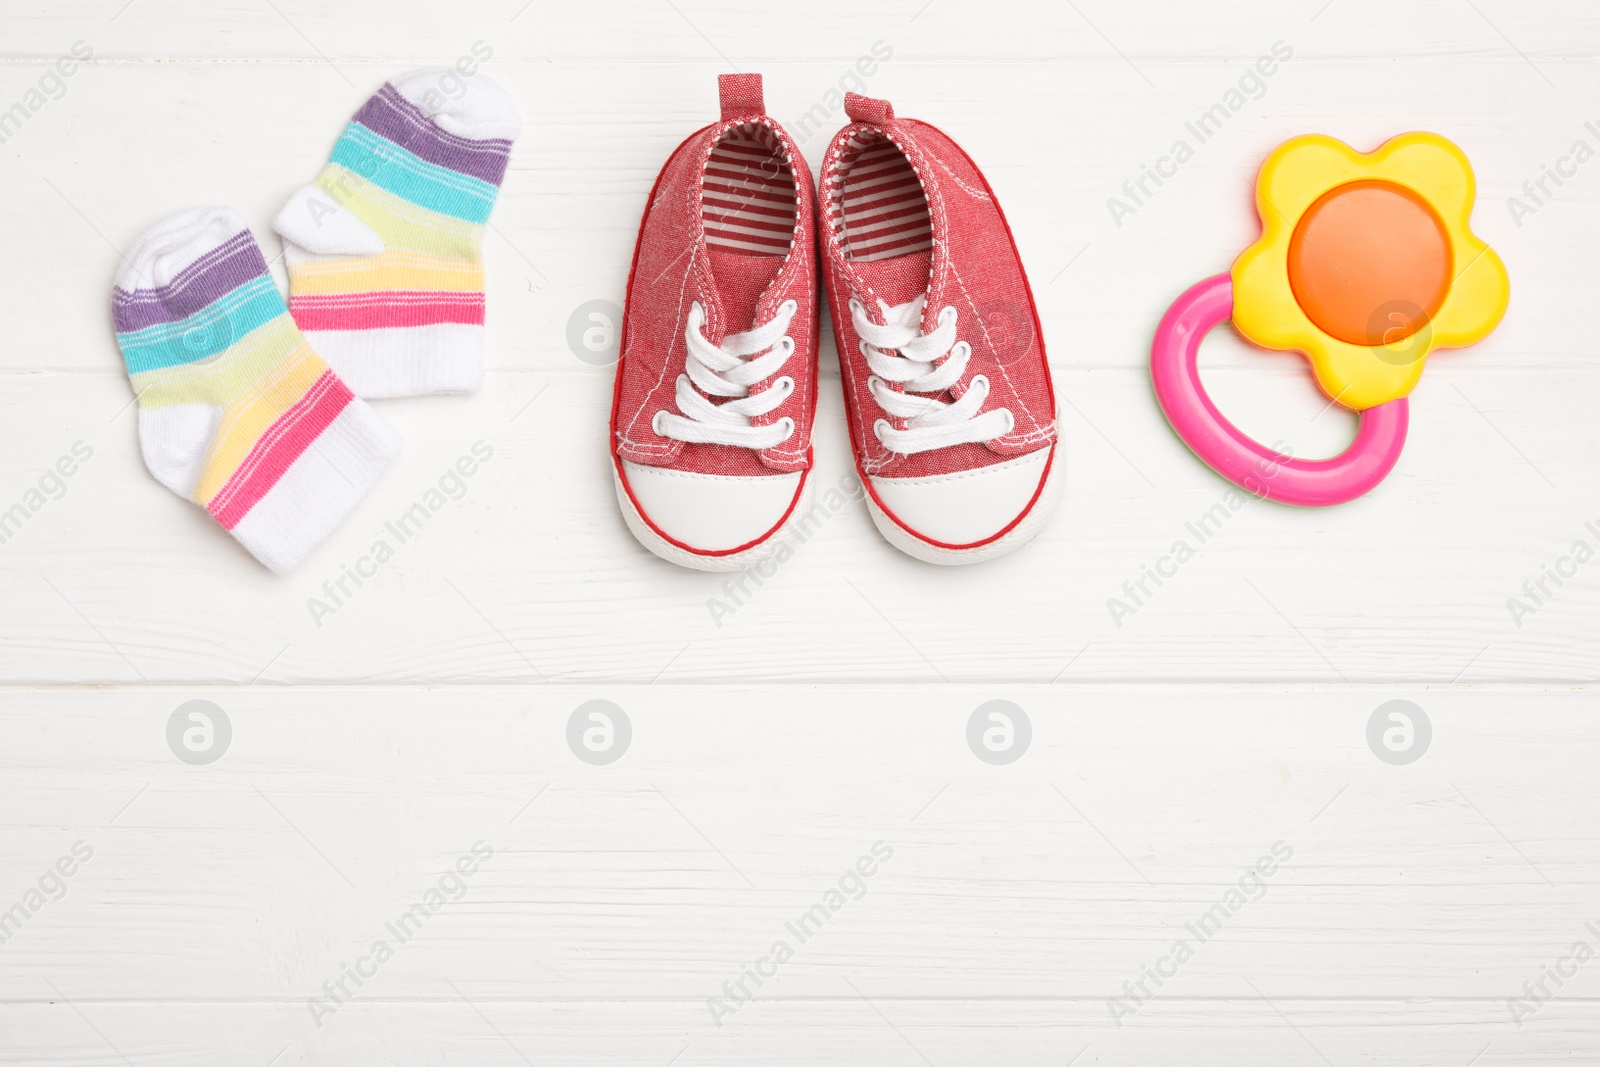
(256, 409)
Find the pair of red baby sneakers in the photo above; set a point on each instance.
(946, 388)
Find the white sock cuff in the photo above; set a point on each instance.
(319, 489)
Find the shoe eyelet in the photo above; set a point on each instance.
(791, 425)
(785, 383)
(1011, 420)
(788, 307)
(787, 344)
(878, 428)
(856, 305)
(655, 423)
(949, 309)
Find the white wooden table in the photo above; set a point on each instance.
(213, 911)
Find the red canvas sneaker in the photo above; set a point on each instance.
(946, 387)
(717, 385)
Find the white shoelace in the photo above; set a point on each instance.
(930, 423)
(727, 370)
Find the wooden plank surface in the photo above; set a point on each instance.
(782, 730)
(733, 811)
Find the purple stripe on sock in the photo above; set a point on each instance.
(392, 116)
(209, 278)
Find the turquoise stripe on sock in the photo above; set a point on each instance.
(207, 332)
(393, 168)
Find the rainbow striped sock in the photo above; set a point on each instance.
(235, 410)
(383, 249)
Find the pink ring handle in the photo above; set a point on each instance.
(1226, 449)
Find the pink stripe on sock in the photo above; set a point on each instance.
(283, 443)
(372, 311)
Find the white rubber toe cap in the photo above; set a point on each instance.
(710, 512)
(967, 507)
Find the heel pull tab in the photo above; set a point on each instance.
(868, 109)
(741, 96)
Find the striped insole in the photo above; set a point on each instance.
(880, 204)
(748, 198)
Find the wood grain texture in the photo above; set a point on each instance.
(782, 729)
(633, 31)
(849, 1028)
(1413, 899)
(735, 810)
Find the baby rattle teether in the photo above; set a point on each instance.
(1365, 264)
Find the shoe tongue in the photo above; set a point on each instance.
(898, 280)
(740, 280)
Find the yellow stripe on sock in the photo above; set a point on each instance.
(387, 271)
(253, 412)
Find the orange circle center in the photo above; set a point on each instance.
(1369, 263)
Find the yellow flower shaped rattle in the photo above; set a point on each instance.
(1365, 264)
